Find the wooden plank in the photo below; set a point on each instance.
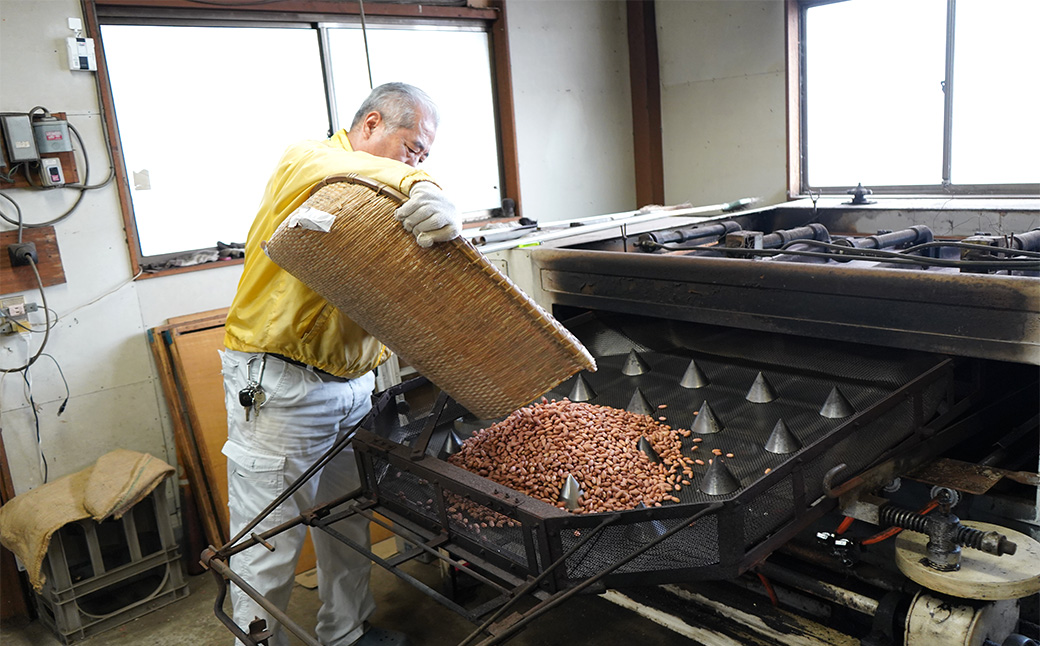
(187, 453)
(197, 366)
(220, 314)
(21, 279)
(503, 88)
(414, 10)
(645, 77)
(13, 607)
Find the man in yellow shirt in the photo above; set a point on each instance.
(314, 367)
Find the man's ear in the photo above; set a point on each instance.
(370, 123)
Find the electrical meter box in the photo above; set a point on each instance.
(18, 135)
(52, 135)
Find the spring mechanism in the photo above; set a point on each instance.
(990, 542)
(905, 518)
(943, 527)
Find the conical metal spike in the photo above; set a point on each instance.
(570, 493)
(707, 422)
(634, 365)
(644, 445)
(718, 480)
(836, 406)
(782, 440)
(581, 391)
(639, 405)
(762, 392)
(694, 377)
(452, 444)
(644, 531)
(468, 427)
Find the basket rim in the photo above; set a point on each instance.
(354, 178)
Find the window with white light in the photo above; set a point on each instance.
(200, 132)
(924, 96)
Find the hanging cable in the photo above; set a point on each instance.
(36, 417)
(86, 166)
(65, 402)
(18, 210)
(364, 36)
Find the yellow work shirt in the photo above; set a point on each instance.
(273, 311)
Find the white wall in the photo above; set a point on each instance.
(722, 100)
(573, 107)
(115, 399)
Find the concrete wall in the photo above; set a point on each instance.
(574, 131)
(723, 100)
(99, 342)
(573, 107)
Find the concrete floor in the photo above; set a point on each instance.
(585, 619)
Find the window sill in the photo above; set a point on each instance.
(923, 203)
(171, 271)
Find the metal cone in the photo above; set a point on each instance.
(694, 377)
(645, 531)
(717, 480)
(836, 406)
(639, 405)
(644, 445)
(452, 444)
(782, 440)
(570, 492)
(581, 391)
(634, 365)
(762, 391)
(706, 422)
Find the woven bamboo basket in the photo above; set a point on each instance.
(445, 310)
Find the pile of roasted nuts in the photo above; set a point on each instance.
(538, 446)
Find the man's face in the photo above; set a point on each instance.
(408, 145)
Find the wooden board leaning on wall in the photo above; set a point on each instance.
(186, 355)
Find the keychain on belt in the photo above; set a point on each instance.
(253, 397)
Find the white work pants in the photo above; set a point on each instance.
(305, 413)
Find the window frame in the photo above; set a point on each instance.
(312, 14)
(797, 126)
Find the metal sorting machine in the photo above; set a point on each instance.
(833, 360)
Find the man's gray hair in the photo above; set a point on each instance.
(399, 104)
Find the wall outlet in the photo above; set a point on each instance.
(14, 315)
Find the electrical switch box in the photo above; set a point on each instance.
(19, 137)
(52, 135)
(51, 173)
(81, 54)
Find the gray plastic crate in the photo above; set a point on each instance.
(102, 575)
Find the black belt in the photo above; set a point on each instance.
(328, 376)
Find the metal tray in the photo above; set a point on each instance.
(894, 394)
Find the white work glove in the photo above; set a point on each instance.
(429, 215)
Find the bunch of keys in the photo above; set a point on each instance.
(253, 397)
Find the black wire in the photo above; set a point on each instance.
(65, 403)
(9, 177)
(36, 416)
